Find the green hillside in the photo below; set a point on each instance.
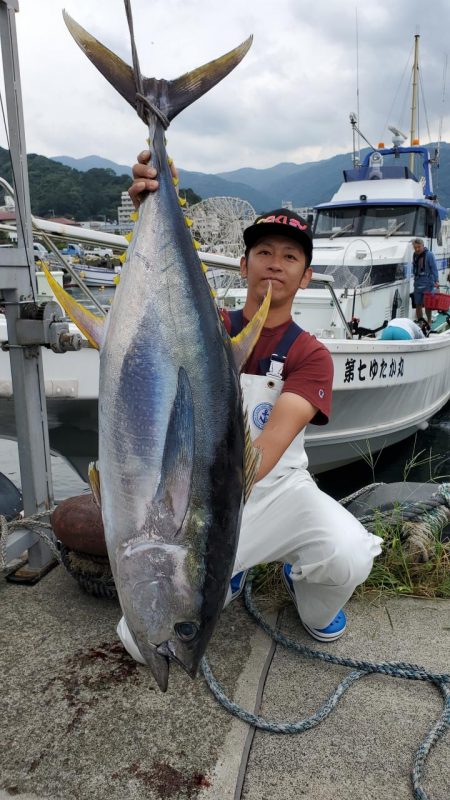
(60, 191)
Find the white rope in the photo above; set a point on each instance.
(35, 524)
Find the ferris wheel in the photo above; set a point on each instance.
(218, 223)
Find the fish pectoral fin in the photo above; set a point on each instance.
(252, 460)
(88, 323)
(173, 493)
(94, 482)
(243, 344)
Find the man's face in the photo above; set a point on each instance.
(418, 248)
(280, 260)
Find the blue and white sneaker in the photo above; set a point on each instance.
(235, 587)
(237, 584)
(332, 631)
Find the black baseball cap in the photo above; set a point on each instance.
(281, 222)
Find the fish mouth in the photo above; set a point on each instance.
(158, 661)
(190, 665)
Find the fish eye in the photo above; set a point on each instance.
(186, 631)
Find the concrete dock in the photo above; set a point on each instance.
(81, 720)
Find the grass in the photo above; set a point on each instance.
(401, 569)
(397, 571)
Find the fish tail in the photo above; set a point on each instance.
(165, 99)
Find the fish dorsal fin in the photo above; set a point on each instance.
(252, 460)
(89, 324)
(169, 97)
(243, 344)
(94, 482)
(172, 496)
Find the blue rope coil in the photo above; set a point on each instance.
(360, 669)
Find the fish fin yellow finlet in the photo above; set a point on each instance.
(252, 460)
(182, 201)
(243, 344)
(94, 482)
(134, 216)
(89, 324)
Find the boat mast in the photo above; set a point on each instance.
(415, 75)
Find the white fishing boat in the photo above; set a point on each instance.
(93, 275)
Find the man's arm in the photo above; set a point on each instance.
(290, 414)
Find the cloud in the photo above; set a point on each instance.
(289, 99)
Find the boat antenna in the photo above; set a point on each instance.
(356, 158)
(415, 73)
(353, 121)
(444, 79)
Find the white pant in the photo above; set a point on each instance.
(293, 521)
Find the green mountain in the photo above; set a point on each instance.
(94, 193)
(93, 162)
(214, 186)
(60, 191)
(303, 184)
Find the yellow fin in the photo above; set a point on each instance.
(128, 236)
(182, 201)
(134, 216)
(244, 342)
(94, 482)
(188, 222)
(89, 324)
(123, 258)
(196, 244)
(252, 460)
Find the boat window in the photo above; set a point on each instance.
(334, 222)
(367, 220)
(388, 221)
(421, 222)
(359, 276)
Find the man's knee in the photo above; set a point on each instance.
(353, 557)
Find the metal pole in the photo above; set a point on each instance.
(414, 98)
(18, 286)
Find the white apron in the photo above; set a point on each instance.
(260, 393)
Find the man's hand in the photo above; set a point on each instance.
(144, 178)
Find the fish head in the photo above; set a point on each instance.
(160, 592)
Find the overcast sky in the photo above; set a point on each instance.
(289, 100)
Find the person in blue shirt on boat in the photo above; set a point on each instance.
(426, 277)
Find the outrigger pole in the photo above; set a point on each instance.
(29, 326)
(415, 73)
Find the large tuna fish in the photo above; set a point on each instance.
(172, 434)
